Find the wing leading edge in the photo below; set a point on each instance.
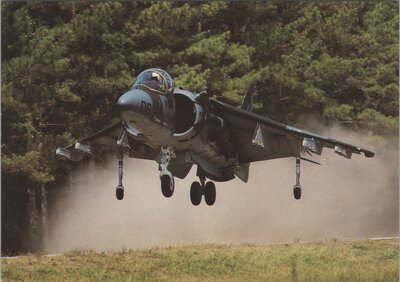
(106, 140)
(260, 138)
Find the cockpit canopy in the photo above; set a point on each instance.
(156, 80)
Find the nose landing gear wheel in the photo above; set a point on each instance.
(119, 192)
(297, 192)
(167, 186)
(210, 193)
(195, 193)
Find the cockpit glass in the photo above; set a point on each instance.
(156, 80)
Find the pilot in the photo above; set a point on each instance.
(156, 80)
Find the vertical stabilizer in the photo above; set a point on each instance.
(247, 103)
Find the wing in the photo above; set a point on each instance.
(259, 138)
(105, 141)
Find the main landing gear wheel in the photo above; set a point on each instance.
(196, 193)
(210, 193)
(167, 186)
(119, 192)
(297, 192)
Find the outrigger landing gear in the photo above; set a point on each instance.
(120, 188)
(166, 177)
(297, 187)
(198, 189)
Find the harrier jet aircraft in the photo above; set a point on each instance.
(178, 129)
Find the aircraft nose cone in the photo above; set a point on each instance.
(125, 102)
(136, 101)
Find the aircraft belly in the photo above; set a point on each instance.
(205, 154)
(158, 135)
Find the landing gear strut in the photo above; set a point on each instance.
(166, 177)
(297, 187)
(197, 190)
(122, 146)
(120, 188)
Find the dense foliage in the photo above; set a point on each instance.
(65, 64)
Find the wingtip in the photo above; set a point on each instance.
(369, 154)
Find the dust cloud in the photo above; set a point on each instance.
(343, 199)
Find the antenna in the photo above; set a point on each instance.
(247, 103)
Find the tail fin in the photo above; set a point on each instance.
(247, 103)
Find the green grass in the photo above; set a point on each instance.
(327, 261)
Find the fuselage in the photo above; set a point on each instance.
(178, 119)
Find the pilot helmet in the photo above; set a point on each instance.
(156, 80)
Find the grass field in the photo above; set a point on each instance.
(327, 261)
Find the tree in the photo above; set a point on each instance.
(66, 64)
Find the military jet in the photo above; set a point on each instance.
(178, 129)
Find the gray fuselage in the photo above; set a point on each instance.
(180, 120)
